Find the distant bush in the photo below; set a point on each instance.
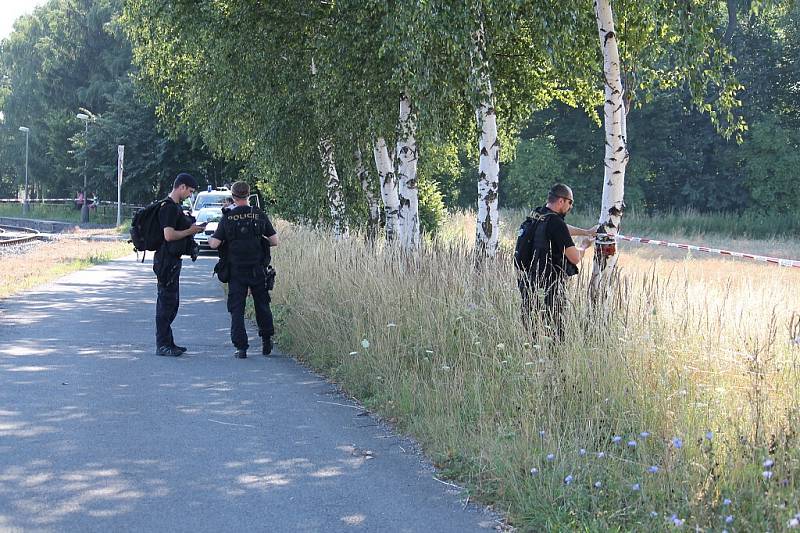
(432, 211)
(772, 164)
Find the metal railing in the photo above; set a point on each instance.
(66, 209)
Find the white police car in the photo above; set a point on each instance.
(212, 216)
(210, 198)
(207, 207)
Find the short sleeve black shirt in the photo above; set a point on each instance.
(171, 216)
(557, 233)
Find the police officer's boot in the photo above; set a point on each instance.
(266, 347)
(240, 353)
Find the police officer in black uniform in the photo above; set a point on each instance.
(246, 234)
(179, 231)
(545, 255)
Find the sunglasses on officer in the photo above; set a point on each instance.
(570, 200)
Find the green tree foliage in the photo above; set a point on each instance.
(67, 57)
(237, 74)
(771, 159)
(537, 166)
(678, 159)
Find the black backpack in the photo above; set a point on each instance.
(146, 231)
(524, 249)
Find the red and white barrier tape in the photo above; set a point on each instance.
(761, 258)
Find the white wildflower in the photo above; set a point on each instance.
(568, 480)
(365, 344)
(767, 474)
(768, 463)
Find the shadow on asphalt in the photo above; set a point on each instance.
(99, 434)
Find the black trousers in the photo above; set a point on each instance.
(544, 297)
(168, 272)
(252, 278)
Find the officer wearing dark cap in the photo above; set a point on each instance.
(179, 231)
(247, 234)
(545, 255)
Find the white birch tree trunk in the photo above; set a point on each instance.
(487, 227)
(333, 186)
(332, 183)
(389, 192)
(616, 153)
(362, 174)
(407, 176)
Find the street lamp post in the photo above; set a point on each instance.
(26, 131)
(85, 206)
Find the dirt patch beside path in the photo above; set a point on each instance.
(30, 264)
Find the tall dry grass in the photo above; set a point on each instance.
(663, 406)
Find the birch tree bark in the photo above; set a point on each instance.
(487, 229)
(389, 192)
(616, 152)
(408, 214)
(374, 221)
(333, 186)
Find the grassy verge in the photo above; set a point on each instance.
(49, 261)
(675, 402)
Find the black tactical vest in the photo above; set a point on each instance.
(244, 230)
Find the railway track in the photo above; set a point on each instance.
(11, 235)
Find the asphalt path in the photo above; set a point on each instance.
(99, 434)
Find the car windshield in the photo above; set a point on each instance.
(209, 201)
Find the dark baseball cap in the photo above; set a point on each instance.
(185, 179)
